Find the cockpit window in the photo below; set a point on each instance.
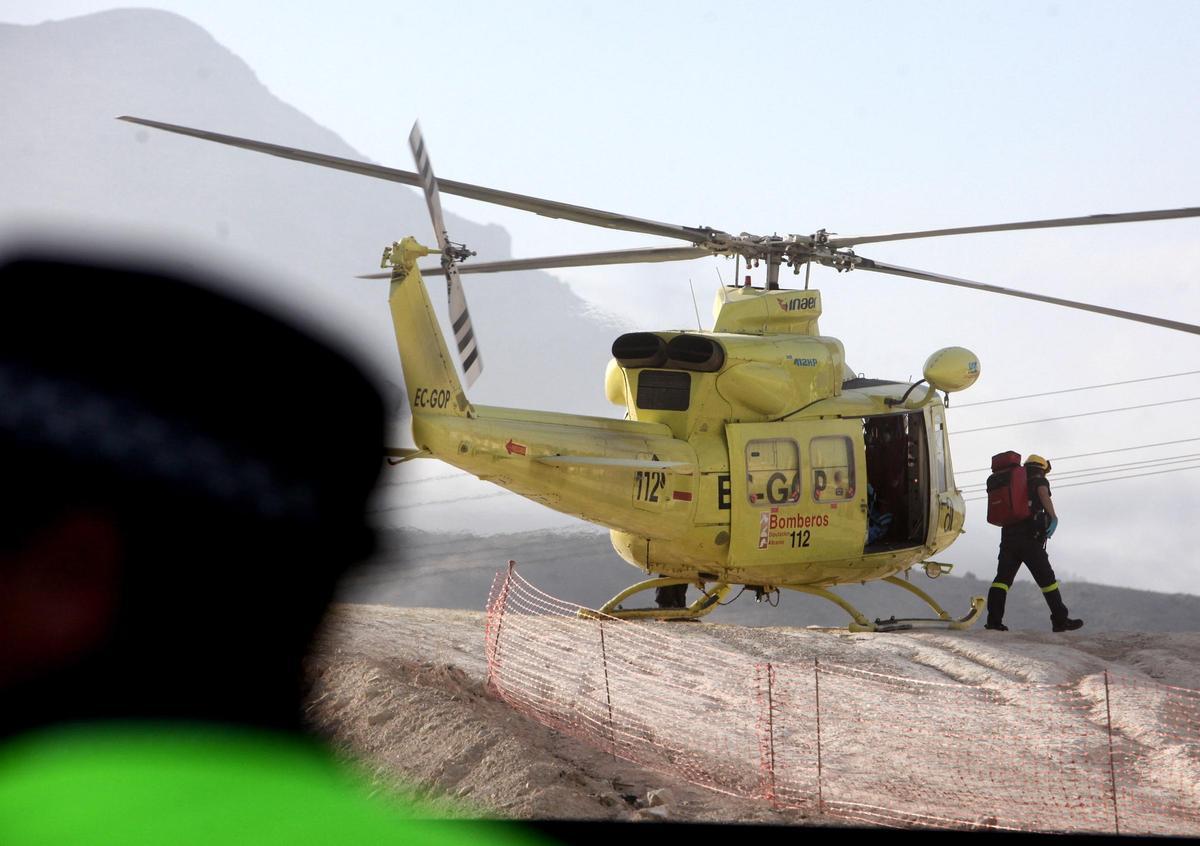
(832, 468)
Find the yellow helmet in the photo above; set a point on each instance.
(1038, 461)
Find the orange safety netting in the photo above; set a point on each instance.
(1107, 753)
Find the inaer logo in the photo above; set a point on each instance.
(798, 303)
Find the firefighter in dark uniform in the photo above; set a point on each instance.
(1025, 543)
(672, 596)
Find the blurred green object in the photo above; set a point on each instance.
(182, 784)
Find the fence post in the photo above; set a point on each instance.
(493, 653)
(820, 774)
(612, 736)
(766, 731)
(1112, 769)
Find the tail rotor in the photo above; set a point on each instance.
(452, 253)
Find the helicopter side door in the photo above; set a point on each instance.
(797, 492)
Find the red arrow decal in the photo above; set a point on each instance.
(514, 448)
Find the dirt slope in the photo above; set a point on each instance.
(403, 691)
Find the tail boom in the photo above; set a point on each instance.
(429, 375)
(615, 473)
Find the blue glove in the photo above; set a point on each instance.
(1050, 529)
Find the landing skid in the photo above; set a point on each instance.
(706, 603)
(892, 624)
(862, 624)
(711, 597)
(943, 620)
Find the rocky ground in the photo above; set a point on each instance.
(403, 691)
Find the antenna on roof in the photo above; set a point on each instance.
(691, 288)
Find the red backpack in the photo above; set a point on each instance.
(1008, 491)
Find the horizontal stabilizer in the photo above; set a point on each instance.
(397, 455)
(602, 461)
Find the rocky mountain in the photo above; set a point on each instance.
(70, 172)
(417, 568)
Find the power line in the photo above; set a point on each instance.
(1089, 454)
(1073, 416)
(1083, 388)
(1146, 462)
(438, 502)
(1100, 481)
(977, 489)
(1081, 474)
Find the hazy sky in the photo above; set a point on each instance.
(857, 117)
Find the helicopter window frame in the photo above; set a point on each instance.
(773, 467)
(820, 475)
(941, 450)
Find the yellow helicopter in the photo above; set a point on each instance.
(749, 456)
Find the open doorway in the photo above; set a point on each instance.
(898, 475)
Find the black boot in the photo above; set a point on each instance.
(997, 597)
(671, 596)
(1060, 619)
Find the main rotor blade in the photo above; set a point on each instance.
(546, 208)
(647, 255)
(1051, 223)
(880, 267)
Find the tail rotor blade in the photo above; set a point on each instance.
(429, 185)
(464, 332)
(460, 316)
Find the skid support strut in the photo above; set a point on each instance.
(860, 624)
(911, 588)
(706, 603)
